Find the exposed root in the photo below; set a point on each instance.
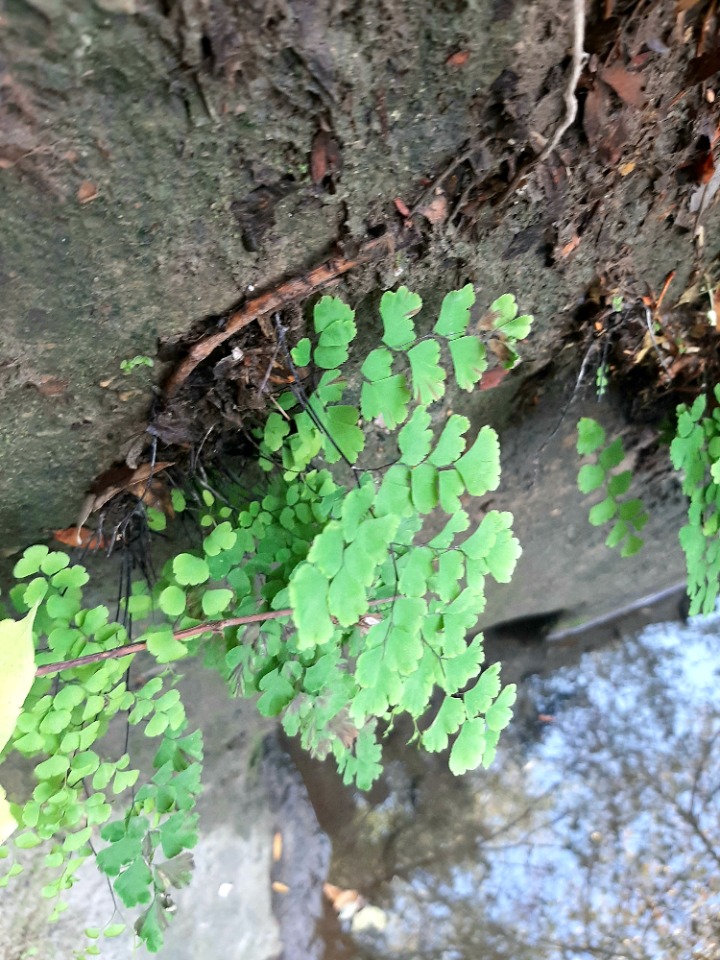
(291, 291)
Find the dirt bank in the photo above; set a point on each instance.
(160, 161)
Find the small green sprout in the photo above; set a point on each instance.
(127, 366)
(601, 380)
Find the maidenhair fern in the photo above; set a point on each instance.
(695, 452)
(356, 586)
(629, 515)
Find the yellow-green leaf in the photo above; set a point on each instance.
(17, 670)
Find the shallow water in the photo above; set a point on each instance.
(596, 833)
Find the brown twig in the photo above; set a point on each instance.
(213, 627)
(430, 190)
(291, 291)
(666, 283)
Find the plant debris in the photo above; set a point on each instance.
(141, 483)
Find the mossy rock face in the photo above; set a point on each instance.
(136, 147)
(126, 215)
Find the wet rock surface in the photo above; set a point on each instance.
(229, 911)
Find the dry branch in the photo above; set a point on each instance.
(215, 626)
(291, 291)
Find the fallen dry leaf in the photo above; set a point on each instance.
(135, 450)
(87, 191)
(344, 902)
(492, 378)
(437, 210)
(124, 480)
(613, 143)
(571, 245)
(595, 113)
(647, 346)
(693, 290)
(80, 537)
(704, 168)
(458, 59)
(701, 198)
(628, 86)
(687, 364)
(703, 67)
(626, 168)
(49, 386)
(401, 207)
(325, 158)
(153, 493)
